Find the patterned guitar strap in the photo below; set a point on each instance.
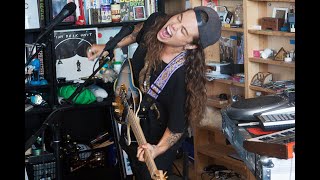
(158, 85)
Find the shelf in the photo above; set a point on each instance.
(219, 152)
(273, 62)
(215, 103)
(208, 128)
(34, 88)
(271, 33)
(39, 109)
(274, 0)
(36, 30)
(228, 81)
(257, 88)
(105, 102)
(232, 29)
(100, 25)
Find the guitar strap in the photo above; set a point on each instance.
(161, 81)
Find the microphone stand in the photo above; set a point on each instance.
(86, 82)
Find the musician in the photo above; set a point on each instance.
(181, 103)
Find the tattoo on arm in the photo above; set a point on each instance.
(136, 30)
(132, 37)
(173, 138)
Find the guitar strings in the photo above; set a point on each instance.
(142, 140)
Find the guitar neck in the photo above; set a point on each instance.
(138, 133)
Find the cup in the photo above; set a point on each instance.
(266, 53)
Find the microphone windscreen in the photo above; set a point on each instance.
(67, 10)
(71, 7)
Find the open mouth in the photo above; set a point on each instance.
(166, 32)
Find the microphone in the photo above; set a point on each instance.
(66, 11)
(124, 31)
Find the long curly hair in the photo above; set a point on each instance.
(194, 75)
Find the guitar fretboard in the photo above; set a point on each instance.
(138, 133)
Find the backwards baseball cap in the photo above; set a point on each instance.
(209, 31)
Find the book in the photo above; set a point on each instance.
(127, 9)
(41, 13)
(31, 14)
(94, 15)
(105, 13)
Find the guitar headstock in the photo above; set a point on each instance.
(159, 175)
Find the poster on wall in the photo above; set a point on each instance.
(70, 53)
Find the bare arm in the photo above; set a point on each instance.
(168, 140)
(131, 38)
(96, 49)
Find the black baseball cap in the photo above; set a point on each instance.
(210, 31)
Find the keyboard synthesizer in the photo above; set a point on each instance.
(277, 119)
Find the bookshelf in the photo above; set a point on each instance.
(78, 116)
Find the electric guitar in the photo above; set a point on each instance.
(127, 105)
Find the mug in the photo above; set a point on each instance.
(266, 53)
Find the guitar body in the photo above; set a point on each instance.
(133, 95)
(127, 105)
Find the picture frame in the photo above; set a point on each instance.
(280, 12)
(139, 13)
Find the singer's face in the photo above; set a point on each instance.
(180, 30)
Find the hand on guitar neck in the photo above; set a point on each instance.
(144, 147)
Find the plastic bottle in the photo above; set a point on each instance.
(117, 66)
(238, 14)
